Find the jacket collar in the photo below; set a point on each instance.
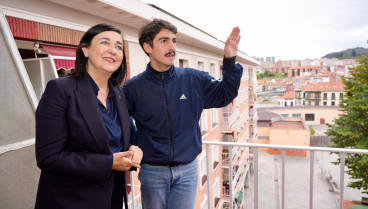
(160, 76)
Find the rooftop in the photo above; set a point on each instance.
(325, 86)
(289, 95)
(288, 125)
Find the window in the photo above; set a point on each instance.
(204, 204)
(215, 156)
(333, 96)
(213, 70)
(263, 137)
(214, 117)
(309, 117)
(221, 76)
(203, 123)
(341, 96)
(292, 104)
(183, 63)
(203, 169)
(216, 192)
(332, 103)
(324, 103)
(285, 115)
(201, 66)
(325, 96)
(297, 115)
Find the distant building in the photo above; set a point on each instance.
(278, 69)
(305, 70)
(287, 99)
(310, 114)
(274, 129)
(270, 59)
(321, 94)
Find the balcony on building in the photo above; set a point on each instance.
(240, 170)
(252, 95)
(230, 118)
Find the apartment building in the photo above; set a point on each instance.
(321, 94)
(239, 124)
(42, 37)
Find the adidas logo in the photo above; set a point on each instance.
(182, 97)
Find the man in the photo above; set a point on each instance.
(166, 103)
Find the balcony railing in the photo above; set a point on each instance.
(230, 119)
(254, 156)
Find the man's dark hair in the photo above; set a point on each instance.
(149, 31)
(81, 61)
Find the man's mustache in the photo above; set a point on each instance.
(170, 52)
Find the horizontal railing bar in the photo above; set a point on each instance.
(275, 146)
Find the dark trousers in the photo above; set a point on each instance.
(119, 192)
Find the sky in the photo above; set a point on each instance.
(284, 29)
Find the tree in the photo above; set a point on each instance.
(353, 53)
(351, 128)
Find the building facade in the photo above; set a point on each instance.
(321, 94)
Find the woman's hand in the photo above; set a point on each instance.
(122, 161)
(137, 155)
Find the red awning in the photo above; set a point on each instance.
(58, 52)
(66, 64)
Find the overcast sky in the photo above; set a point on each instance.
(285, 29)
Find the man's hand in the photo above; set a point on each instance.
(231, 44)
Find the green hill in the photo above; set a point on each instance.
(348, 53)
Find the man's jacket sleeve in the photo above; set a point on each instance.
(219, 93)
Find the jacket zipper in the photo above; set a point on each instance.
(168, 118)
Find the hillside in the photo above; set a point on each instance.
(348, 53)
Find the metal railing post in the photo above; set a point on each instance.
(283, 179)
(132, 188)
(255, 159)
(208, 175)
(342, 171)
(311, 169)
(231, 176)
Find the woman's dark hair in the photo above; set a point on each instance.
(149, 31)
(81, 61)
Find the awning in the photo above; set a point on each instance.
(64, 57)
(66, 64)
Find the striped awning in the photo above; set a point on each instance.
(64, 57)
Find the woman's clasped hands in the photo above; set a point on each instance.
(123, 161)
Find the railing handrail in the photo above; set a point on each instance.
(276, 146)
(312, 150)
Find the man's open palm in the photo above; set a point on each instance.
(231, 45)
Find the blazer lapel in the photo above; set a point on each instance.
(88, 106)
(121, 107)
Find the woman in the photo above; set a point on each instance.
(83, 129)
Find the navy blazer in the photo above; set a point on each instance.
(72, 146)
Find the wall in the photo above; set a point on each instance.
(18, 170)
(292, 137)
(328, 114)
(263, 132)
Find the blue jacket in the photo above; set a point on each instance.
(167, 106)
